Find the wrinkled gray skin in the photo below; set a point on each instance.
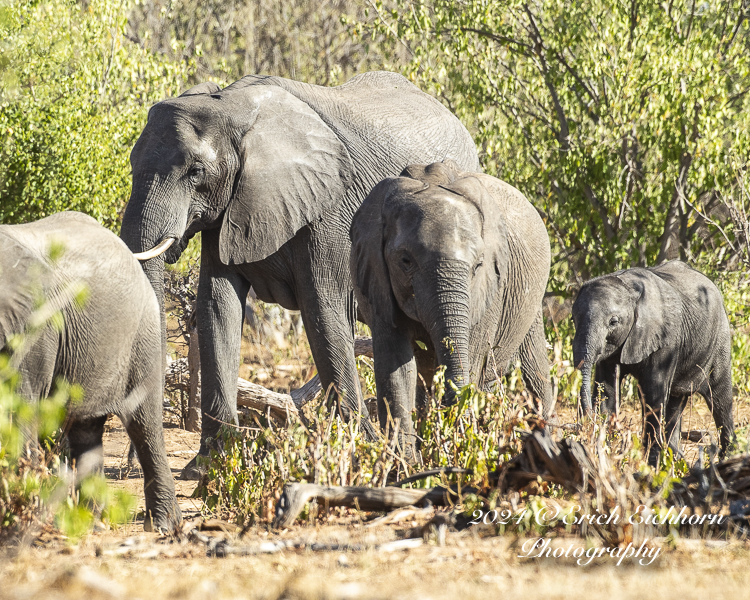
(111, 346)
(272, 171)
(459, 262)
(666, 326)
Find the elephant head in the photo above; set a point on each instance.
(431, 246)
(629, 315)
(252, 160)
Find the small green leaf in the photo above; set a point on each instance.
(421, 345)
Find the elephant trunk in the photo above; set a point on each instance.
(586, 387)
(445, 313)
(144, 228)
(585, 358)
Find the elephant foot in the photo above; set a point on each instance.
(193, 471)
(163, 521)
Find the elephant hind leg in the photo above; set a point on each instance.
(719, 399)
(535, 365)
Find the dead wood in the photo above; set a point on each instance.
(727, 480)
(296, 495)
(262, 399)
(566, 463)
(696, 436)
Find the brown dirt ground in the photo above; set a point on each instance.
(469, 565)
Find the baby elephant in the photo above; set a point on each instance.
(451, 268)
(111, 346)
(666, 326)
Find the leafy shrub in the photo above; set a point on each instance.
(74, 93)
(246, 476)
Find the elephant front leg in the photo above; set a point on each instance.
(535, 366)
(396, 383)
(607, 386)
(655, 383)
(220, 311)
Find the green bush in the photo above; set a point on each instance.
(74, 94)
(616, 119)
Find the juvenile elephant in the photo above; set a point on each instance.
(111, 346)
(271, 172)
(450, 268)
(666, 326)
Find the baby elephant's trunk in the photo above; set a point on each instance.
(445, 309)
(583, 359)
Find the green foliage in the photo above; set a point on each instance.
(74, 93)
(246, 476)
(615, 118)
(254, 463)
(473, 433)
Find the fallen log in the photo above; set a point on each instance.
(262, 399)
(566, 463)
(296, 495)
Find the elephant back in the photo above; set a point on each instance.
(385, 122)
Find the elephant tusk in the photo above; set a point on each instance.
(155, 251)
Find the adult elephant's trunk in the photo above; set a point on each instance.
(146, 228)
(443, 304)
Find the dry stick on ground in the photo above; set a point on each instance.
(296, 495)
(256, 396)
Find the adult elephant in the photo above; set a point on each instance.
(450, 268)
(110, 347)
(272, 172)
(667, 327)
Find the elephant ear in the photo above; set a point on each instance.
(293, 169)
(368, 267)
(207, 87)
(658, 314)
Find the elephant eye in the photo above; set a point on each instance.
(195, 172)
(406, 262)
(614, 321)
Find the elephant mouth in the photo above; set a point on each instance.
(172, 255)
(157, 250)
